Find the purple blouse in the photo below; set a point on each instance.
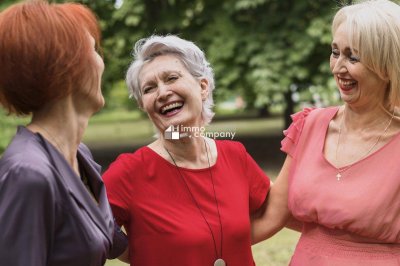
(47, 216)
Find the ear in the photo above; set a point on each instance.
(140, 105)
(204, 88)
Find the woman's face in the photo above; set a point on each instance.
(170, 94)
(358, 86)
(94, 97)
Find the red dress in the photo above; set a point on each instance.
(164, 225)
(354, 221)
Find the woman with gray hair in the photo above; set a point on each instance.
(184, 199)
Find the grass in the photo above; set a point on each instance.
(275, 251)
(112, 129)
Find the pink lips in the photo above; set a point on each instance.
(345, 85)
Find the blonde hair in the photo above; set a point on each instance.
(374, 33)
(187, 52)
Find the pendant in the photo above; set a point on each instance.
(338, 176)
(219, 262)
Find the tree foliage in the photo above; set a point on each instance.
(258, 48)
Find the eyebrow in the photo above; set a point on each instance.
(346, 49)
(163, 74)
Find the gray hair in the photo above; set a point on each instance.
(187, 52)
(374, 33)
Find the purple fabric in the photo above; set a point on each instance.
(47, 216)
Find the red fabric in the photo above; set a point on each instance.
(164, 225)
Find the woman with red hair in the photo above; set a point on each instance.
(53, 204)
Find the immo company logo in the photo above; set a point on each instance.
(179, 131)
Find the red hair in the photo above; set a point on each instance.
(45, 53)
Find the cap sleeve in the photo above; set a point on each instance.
(293, 133)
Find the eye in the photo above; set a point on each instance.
(172, 78)
(354, 59)
(148, 89)
(335, 53)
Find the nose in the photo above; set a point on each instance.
(339, 66)
(164, 92)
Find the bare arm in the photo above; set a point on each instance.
(275, 214)
(125, 256)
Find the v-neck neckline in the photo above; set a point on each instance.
(331, 116)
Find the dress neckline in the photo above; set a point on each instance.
(372, 154)
(165, 161)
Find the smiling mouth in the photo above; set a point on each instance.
(171, 108)
(346, 84)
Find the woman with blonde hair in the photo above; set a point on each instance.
(341, 178)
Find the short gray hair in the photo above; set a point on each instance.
(191, 56)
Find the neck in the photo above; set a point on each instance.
(356, 119)
(63, 129)
(188, 153)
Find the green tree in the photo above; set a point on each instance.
(258, 48)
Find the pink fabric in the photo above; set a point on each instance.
(361, 212)
(293, 133)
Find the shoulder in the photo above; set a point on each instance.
(316, 118)
(131, 159)
(234, 150)
(310, 116)
(305, 122)
(128, 163)
(85, 150)
(25, 152)
(230, 146)
(31, 178)
(317, 113)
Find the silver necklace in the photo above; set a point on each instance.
(340, 171)
(218, 261)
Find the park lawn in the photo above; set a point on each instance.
(136, 132)
(275, 251)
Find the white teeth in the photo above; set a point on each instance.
(171, 106)
(346, 82)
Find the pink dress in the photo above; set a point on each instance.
(353, 221)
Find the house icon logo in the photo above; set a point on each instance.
(172, 132)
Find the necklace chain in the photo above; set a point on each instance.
(198, 205)
(344, 169)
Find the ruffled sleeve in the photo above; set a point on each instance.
(293, 133)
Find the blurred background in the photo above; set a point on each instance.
(270, 57)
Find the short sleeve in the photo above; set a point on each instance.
(116, 180)
(293, 133)
(259, 184)
(27, 216)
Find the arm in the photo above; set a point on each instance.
(120, 243)
(125, 256)
(275, 213)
